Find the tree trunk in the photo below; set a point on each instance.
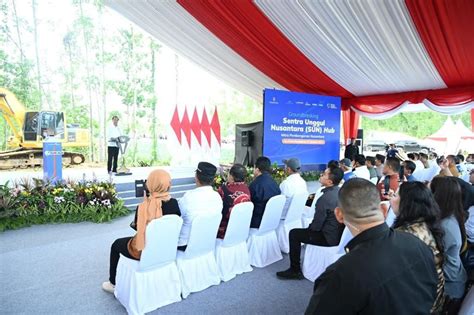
(154, 145)
(17, 25)
(88, 83)
(103, 84)
(38, 68)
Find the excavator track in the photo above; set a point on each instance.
(24, 158)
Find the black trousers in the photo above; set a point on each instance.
(118, 247)
(298, 236)
(112, 157)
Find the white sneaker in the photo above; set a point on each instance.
(109, 287)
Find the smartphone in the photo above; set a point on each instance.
(140, 188)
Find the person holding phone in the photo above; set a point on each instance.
(156, 204)
(390, 180)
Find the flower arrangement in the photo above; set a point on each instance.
(36, 202)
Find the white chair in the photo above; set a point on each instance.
(317, 258)
(467, 307)
(153, 281)
(308, 212)
(231, 252)
(374, 180)
(197, 264)
(292, 220)
(262, 243)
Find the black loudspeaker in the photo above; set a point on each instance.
(360, 133)
(247, 136)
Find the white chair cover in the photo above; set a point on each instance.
(231, 253)
(197, 264)
(467, 307)
(308, 212)
(317, 258)
(292, 220)
(374, 180)
(262, 243)
(145, 285)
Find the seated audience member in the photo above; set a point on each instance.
(346, 167)
(383, 271)
(390, 180)
(157, 204)
(452, 165)
(293, 184)
(201, 200)
(333, 164)
(370, 162)
(470, 158)
(419, 164)
(233, 192)
(325, 230)
(379, 161)
(424, 160)
(447, 194)
(408, 169)
(262, 188)
(360, 169)
(418, 214)
(471, 177)
(392, 151)
(443, 164)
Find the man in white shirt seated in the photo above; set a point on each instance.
(201, 200)
(293, 184)
(360, 170)
(113, 133)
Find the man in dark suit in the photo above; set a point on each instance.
(262, 188)
(351, 150)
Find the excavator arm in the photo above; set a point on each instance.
(13, 112)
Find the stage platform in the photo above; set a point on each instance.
(182, 179)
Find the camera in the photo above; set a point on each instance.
(140, 187)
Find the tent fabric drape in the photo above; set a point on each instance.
(350, 120)
(446, 28)
(378, 56)
(175, 27)
(244, 28)
(369, 47)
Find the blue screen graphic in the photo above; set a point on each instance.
(305, 126)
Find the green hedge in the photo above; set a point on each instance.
(38, 202)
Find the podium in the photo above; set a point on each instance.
(52, 161)
(122, 143)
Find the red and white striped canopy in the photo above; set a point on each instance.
(378, 55)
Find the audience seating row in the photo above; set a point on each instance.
(163, 275)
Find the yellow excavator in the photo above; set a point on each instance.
(30, 128)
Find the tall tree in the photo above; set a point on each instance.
(154, 144)
(85, 24)
(38, 66)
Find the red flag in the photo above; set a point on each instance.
(196, 126)
(186, 127)
(216, 127)
(206, 127)
(176, 125)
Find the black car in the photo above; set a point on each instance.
(374, 145)
(412, 146)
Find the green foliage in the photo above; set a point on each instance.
(41, 202)
(419, 125)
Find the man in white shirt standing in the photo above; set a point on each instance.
(113, 132)
(201, 200)
(360, 169)
(293, 184)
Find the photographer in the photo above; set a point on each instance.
(156, 203)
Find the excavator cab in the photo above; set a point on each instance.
(41, 125)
